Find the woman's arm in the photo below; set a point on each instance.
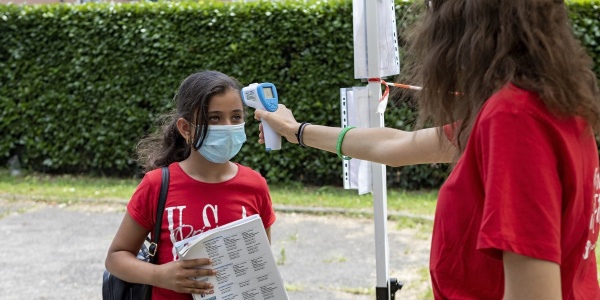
(530, 278)
(387, 146)
(383, 145)
(121, 261)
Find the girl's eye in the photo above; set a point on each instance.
(237, 117)
(213, 118)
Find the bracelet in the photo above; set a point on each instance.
(340, 140)
(300, 134)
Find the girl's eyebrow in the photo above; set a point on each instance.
(220, 112)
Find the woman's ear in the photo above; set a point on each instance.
(184, 128)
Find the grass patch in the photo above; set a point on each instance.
(293, 287)
(281, 258)
(293, 237)
(359, 291)
(337, 259)
(66, 187)
(414, 202)
(69, 188)
(423, 227)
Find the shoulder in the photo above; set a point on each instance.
(142, 205)
(148, 186)
(248, 174)
(247, 171)
(513, 99)
(512, 104)
(154, 176)
(153, 179)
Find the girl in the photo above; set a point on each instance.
(518, 217)
(206, 190)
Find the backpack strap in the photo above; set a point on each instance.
(164, 188)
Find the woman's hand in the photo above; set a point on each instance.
(282, 121)
(176, 276)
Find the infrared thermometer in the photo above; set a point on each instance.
(264, 96)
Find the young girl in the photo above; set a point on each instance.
(206, 190)
(518, 217)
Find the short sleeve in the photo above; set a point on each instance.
(520, 173)
(267, 212)
(140, 206)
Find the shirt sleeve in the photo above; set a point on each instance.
(140, 206)
(520, 173)
(267, 213)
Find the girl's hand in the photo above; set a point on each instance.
(176, 276)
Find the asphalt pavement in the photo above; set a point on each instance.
(51, 251)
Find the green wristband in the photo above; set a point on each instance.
(340, 140)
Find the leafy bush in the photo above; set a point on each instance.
(81, 84)
(585, 19)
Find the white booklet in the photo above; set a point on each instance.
(242, 256)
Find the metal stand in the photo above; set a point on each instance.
(386, 287)
(385, 293)
(374, 22)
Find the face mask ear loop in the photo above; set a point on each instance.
(200, 136)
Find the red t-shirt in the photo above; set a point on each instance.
(193, 206)
(528, 183)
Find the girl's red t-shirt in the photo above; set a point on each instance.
(193, 207)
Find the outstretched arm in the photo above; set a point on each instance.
(383, 145)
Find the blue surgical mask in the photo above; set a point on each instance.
(222, 142)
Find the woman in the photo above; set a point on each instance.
(514, 106)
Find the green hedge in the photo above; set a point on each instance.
(585, 19)
(81, 84)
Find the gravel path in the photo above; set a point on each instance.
(57, 252)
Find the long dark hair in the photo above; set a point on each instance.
(476, 47)
(193, 96)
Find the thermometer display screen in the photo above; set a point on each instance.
(268, 91)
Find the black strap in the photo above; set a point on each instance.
(164, 188)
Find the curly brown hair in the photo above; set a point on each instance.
(474, 48)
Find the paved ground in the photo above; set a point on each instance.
(57, 252)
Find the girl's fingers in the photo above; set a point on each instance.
(192, 263)
(198, 291)
(199, 272)
(199, 287)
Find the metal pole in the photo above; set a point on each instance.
(378, 170)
